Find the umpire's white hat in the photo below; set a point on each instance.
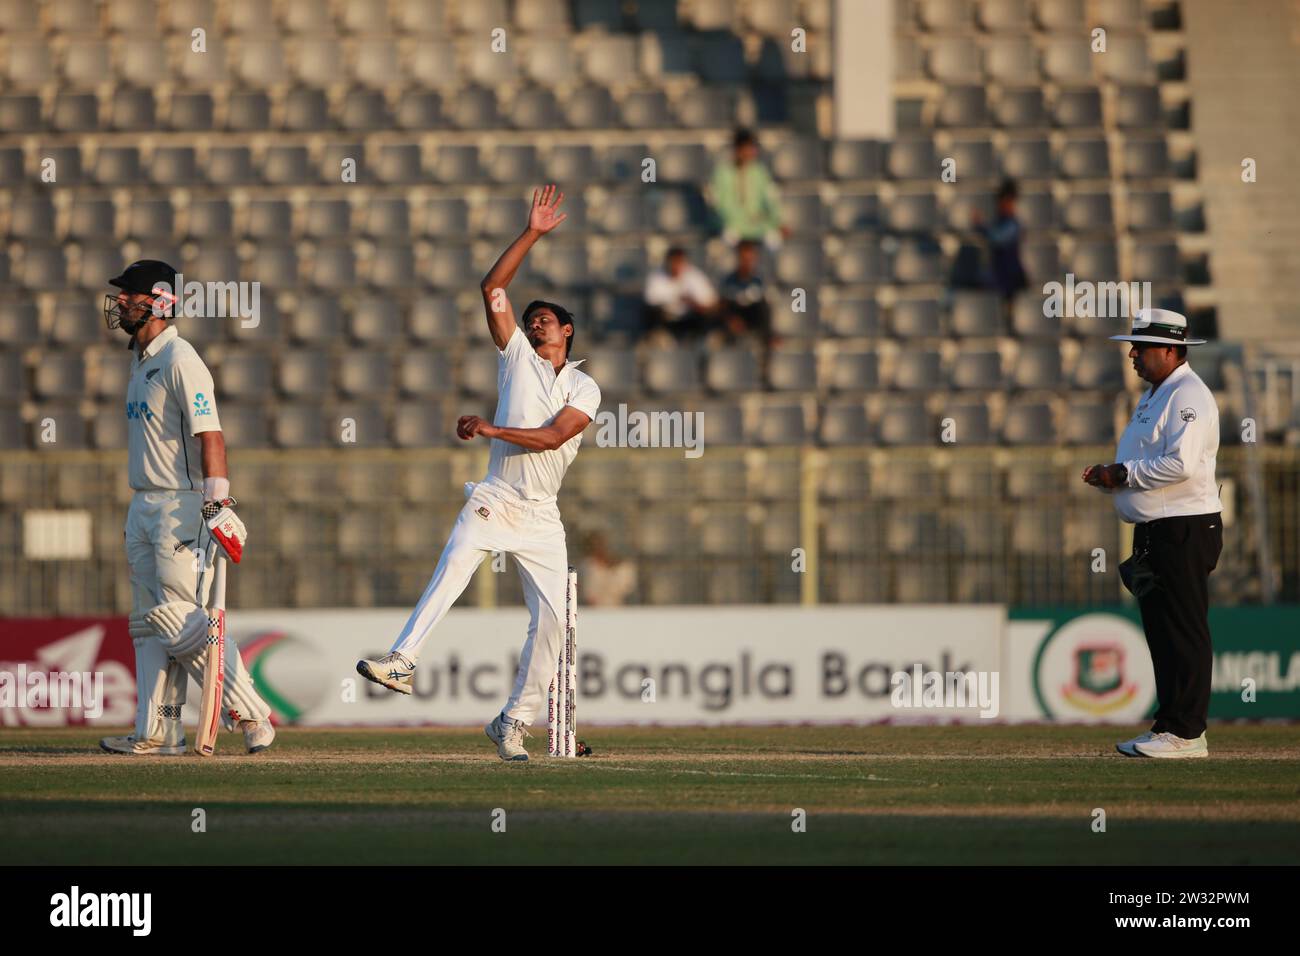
(1159, 327)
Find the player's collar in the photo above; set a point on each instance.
(158, 341)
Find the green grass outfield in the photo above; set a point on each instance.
(872, 795)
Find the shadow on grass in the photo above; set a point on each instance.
(157, 833)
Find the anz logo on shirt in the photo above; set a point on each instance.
(201, 406)
(139, 411)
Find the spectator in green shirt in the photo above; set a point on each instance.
(745, 197)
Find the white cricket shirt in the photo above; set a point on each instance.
(169, 401)
(529, 395)
(1169, 448)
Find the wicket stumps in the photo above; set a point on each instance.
(561, 702)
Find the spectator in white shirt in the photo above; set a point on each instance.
(680, 298)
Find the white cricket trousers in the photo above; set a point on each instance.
(164, 529)
(495, 518)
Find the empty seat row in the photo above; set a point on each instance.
(1133, 107)
(265, 60)
(312, 109)
(1019, 59)
(1022, 16)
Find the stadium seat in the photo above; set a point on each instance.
(1149, 211)
(918, 212)
(59, 375)
(1088, 212)
(434, 319)
(799, 263)
(230, 166)
(364, 109)
(918, 369)
(306, 109)
(1077, 108)
(1029, 423)
(646, 109)
(1155, 260)
(845, 422)
(249, 375)
(458, 165)
(963, 106)
(132, 110)
(475, 108)
(304, 373)
(904, 421)
(1037, 366)
(591, 107)
(853, 371)
(675, 370)
(1010, 59)
(365, 373)
(859, 261)
(856, 212)
(1085, 159)
(912, 159)
(117, 166)
(792, 370)
(855, 316)
(732, 369)
(857, 159)
(1146, 158)
(419, 109)
(798, 159)
(572, 163)
(1028, 159)
(190, 112)
(1021, 108)
(536, 108)
(954, 59)
(781, 424)
(707, 108)
(1096, 260)
(919, 260)
(449, 266)
(916, 318)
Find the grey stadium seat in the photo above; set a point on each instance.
(974, 160)
(174, 166)
(1029, 423)
(904, 421)
(132, 109)
(675, 370)
(1029, 322)
(1095, 259)
(1084, 212)
(1021, 108)
(446, 218)
(646, 109)
(683, 162)
(1150, 211)
(364, 373)
(20, 113)
(845, 422)
(475, 108)
(857, 159)
(1010, 59)
(247, 374)
(918, 369)
(918, 212)
(191, 112)
(799, 262)
(610, 59)
(536, 108)
(477, 373)
(1085, 159)
(919, 261)
(44, 267)
(707, 107)
(1099, 367)
(971, 421)
(1008, 16)
(572, 163)
(719, 57)
(916, 318)
(374, 319)
(854, 316)
(1038, 366)
(732, 369)
(306, 109)
(853, 371)
(364, 109)
(458, 165)
(317, 319)
(977, 314)
(792, 370)
(860, 260)
(1146, 158)
(59, 375)
(230, 166)
(75, 112)
(1028, 159)
(856, 212)
(248, 110)
(954, 58)
(333, 266)
(963, 106)
(304, 373)
(32, 217)
(798, 159)
(1156, 260)
(1076, 108)
(392, 266)
(300, 426)
(433, 319)
(977, 370)
(420, 110)
(245, 426)
(386, 218)
(1068, 60)
(1138, 107)
(782, 424)
(913, 159)
(1127, 59)
(117, 166)
(591, 107)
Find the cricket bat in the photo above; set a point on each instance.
(214, 669)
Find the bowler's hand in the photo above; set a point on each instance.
(470, 425)
(1103, 476)
(545, 214)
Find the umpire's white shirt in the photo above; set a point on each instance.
(1169, 448)
(169, 401)
(529, 395)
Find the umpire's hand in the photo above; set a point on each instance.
(1104, 476)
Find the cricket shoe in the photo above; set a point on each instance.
(1169, 746)
(1126, 748)
(258, 734)
(509, 738)
(394, 671)
(130, 744)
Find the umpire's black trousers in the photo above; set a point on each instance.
(1175, 616)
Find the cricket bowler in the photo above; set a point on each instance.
(176, 462)
(544, 402)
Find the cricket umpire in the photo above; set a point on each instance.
(1163, 482)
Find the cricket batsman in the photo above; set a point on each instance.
(177, 467)
(544, 402)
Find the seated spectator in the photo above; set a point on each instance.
(1003, 236)
(606, 580)
(744, 300)
(745, 197)
(679, 298)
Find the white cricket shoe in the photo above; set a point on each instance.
(258, 734)
(130, 744)
(1126, 748)
(394, 671)
(509, 738)
(1169, 746)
